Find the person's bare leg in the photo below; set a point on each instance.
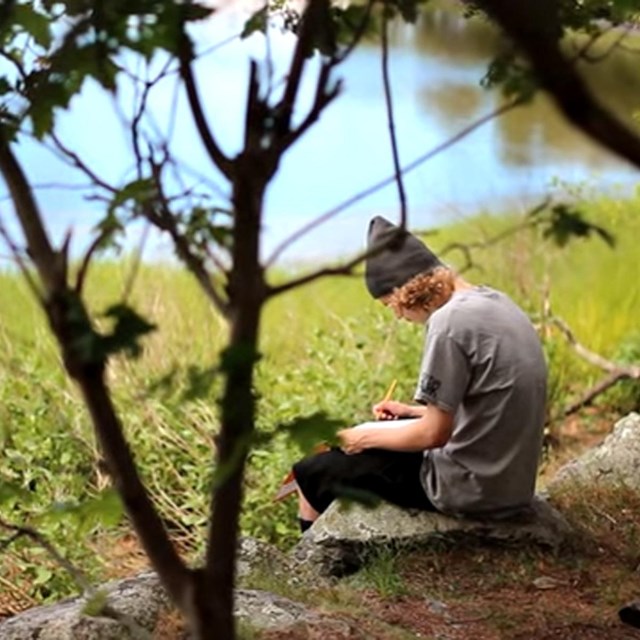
(305, 510)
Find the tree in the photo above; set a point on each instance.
(70, 41)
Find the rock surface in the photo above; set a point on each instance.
(341, 540)
(616, 461)
(138, 602)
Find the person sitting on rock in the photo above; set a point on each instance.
(474, 446)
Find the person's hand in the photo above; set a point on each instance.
(351, 440)
(390, 410)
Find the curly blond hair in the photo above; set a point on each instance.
(426, 291)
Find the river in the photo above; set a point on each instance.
(436, 68)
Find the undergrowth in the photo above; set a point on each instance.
(326, 348)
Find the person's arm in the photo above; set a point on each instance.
(429, 431)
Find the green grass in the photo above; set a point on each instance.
(326, 347)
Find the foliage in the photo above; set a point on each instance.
(53, 48)
(341, 358)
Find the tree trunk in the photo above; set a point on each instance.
(214, 597)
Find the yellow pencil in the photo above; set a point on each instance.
(390, 390)
(387, 396)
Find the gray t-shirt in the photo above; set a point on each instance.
(483, 362)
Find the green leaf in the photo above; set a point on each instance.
(43, 575)
(36, 24)
(104, 509)
(257, 22)
(199, 382)
(128, 329)
(11, 493)
(566, 223)
(309, 431)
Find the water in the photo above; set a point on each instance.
(436, 67)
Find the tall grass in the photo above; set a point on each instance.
(326, 348)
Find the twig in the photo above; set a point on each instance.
(224, 164)
(345, 269)
(390, 119)
(629, 371)
(467, 247)
(75, 160)
(86, 260)
(616, 371)
(77, 575)
(332, 213)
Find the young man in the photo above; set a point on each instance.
(474, 446)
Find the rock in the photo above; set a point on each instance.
(340, 540)
(268, 611)
(615, 462)
(137, 601)
(135, 604)
(255, 555)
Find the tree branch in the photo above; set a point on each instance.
(345, 269)
(224, 164)
(466, 248)
(390, 119)
(303, 45)
(46, 259)
(164, 220)
(323, 97)
(535, 26)
(629, 371)
(20, 531)
(75, 160)
(69, 321)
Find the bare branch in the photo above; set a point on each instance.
(137, 261)
(88, 256)
(466, 248)
(224, 164)
(307, 27)
(345, 269)
(629, 371)
(588, 396)
(166, 221)
(463, 133)
(77, 162)
(323, 97)
(45, 258)
(18, 531)
(390, 119)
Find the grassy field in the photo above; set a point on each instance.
(326, 347)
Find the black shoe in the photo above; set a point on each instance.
(630, 614)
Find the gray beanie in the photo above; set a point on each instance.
(399, 262)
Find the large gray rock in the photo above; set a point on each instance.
(135, 604)
(133, 608)
(341, 540)
(615, 462)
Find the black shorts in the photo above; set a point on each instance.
(389, 475)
